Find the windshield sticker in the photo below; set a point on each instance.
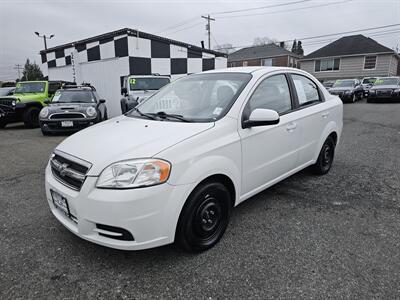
(18, 85)
(338, 81)
(378, 81)
(217, 110)
(132, 81)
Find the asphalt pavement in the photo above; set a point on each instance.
(333, 236)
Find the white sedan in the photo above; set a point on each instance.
(152, 177)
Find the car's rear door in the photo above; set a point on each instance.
(313, 115)
(268, 152)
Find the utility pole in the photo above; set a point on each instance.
(44, 38)
(18, 67)
(208, 28)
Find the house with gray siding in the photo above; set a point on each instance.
(353, 56)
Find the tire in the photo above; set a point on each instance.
(325, 157)
(31, 117)
(204, 217)
(45, 133)
(3, 124)
(354, 98)
(105, 116)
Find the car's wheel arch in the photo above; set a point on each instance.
(330, 130)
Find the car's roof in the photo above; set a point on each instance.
(260, 70)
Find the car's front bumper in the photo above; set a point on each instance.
(384, 96)
(56, 125)
(149, 214)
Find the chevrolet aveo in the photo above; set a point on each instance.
(173, 168)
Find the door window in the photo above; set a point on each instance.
(307, 90)
(273, 93)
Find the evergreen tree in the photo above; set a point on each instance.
(300, 50)
(294, 47)
(31, 72)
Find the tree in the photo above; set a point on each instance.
(300, 50)
(31, 72)
(225, 48)
(294, 47)
(259, 41)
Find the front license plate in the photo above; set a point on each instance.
(67, 123)
(60, 202)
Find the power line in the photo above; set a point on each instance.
(333, 34)
(260, 7)
(198, 23)
(178, 25)
(286, 10)
(18, 67)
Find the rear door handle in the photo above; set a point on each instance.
(325, 114)
(291, 127)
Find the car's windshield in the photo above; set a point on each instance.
(73, 96)
(5, 91)
(30, 87)
(139, 84)
(199, 97)
(368, 80)
(344, 83)
(387, 81)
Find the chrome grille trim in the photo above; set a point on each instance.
(56, 116)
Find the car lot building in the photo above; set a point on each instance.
(105, 59)
(264, 55)
(353, 56)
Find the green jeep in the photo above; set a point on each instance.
(26, 102)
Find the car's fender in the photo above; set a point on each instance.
(331, 127)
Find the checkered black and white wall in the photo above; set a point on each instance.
(145, 56)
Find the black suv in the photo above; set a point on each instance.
(349, 90)
(71, 109)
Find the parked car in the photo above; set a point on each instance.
(328, 84)
(71, 109)
(385, 89)
(6, 91)
(367, 83)
(349, 90)
(138, 88)
(152, 177)
(26, 102)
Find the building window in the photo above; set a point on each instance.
(370, 62)
(331, 64)
(245, 63)
(266, 62)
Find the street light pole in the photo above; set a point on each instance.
(44, 38)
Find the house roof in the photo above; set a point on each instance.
(130, 32)
(349, 45)
(263, 51)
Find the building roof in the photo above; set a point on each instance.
(130, 32)
(263, 51)
(349, 45)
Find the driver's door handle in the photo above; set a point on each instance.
(291, 127)
(325, 114)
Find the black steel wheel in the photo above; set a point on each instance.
(204, 217)
(325, 158)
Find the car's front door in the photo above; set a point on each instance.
(269, 152)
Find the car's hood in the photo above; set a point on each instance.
(69, 106)
(29, 96)
(125, 138)
(339, 89)
(383, 87)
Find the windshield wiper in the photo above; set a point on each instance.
(149, 116)
(164, 115)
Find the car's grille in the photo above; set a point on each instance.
(384, 93)
(67, 116)
(69, 172)
(6, 101)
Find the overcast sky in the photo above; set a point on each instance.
(73, 20)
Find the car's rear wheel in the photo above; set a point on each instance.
(204, 217)
(31, 117)
(46, 133)
(325, 157)
(354, 98)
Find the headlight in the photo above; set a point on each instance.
(91, 111)
(44, 112)
(397, 91)
(13, 103)
(372, 91)
(348, 92)
(134, 173)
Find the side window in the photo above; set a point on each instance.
(307, 90)
(273, 93)
(53, 87)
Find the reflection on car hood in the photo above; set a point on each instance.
(340, 89)
(125, 138)
(142, 95)
(382, 87)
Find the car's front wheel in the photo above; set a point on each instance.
(31, 117)
(3, 124)
(204, 217)
(325, 157)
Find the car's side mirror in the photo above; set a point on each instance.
(261, 117)
(102, 101)
(124, 91)
(47, 101)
